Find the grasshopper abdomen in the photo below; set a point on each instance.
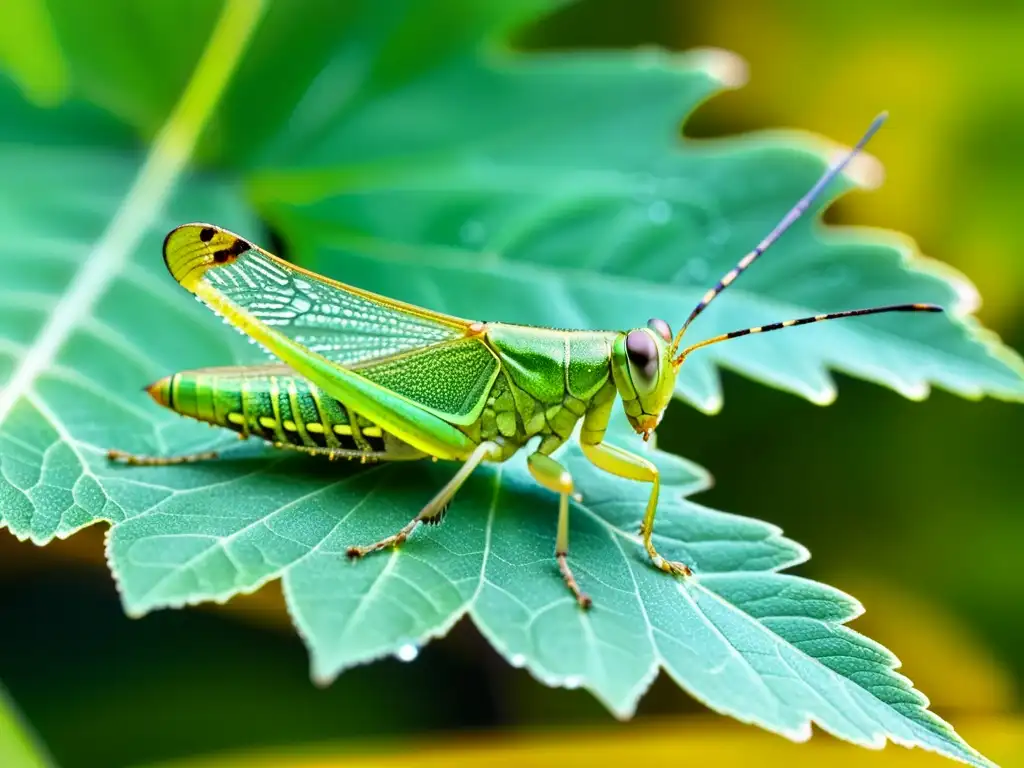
(277, 406)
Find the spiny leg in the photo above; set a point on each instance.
(438, 505)
(136, 459)
(555, 477)
(139, 460)
(632, 467)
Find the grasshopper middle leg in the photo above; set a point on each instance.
(555, 477)
(437, 505)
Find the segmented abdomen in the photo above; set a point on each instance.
(277, 406)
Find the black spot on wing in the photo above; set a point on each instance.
(206, 234)
(233, 251)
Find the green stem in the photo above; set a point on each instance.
(145, 199)
(18, 747)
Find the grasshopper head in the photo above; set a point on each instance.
(645, 360)
(644, 374)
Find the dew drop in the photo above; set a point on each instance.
(646, 186)
(836, 276)
(407, 652)
(472, 232)
(696, 269)
(517, 660)
(718, 235)
(659, 212)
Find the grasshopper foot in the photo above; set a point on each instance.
(582, 598)
(354, 553)
(396, 540)
(670, 566)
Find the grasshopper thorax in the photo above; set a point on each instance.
(644, 374)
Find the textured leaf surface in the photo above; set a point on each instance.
(66, 174)
(513, 194)
(759, 645)
(515, 184)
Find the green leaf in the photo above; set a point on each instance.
(514, 191)
(54, 475)
(88, 315)
(18, 747)
(537, 202)
(30, 52)
(748, 641)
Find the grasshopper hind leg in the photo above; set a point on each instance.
(435, 510)
(140, 460)
(143, 460)
(442, 513)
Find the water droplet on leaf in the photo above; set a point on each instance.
(836, 276)
(472, 232)
(659, 212)
(646, 186)
(407, 652)
(696, 269)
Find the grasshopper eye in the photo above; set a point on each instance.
(660, 327)
(642, 353)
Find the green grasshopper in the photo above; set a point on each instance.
(367, 377)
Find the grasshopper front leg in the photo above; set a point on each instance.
(632, 467)
(624, 464)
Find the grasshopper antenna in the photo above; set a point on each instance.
(806, 321)
(787, 221)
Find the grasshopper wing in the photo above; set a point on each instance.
(360, 347)
(340, 322)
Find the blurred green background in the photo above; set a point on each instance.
(915, 508)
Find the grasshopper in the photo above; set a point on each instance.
(363, 376)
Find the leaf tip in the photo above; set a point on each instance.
(710, 405)
(865, 170)
(322, 678)
(968, 299)
(823, 396)
(728, 69)
(918, 391)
